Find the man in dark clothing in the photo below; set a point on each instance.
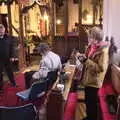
(6, 56)
(112, 50)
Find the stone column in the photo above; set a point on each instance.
(66, 25)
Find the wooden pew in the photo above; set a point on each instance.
(115, 70)
(110, 88)
(57, 100)
(115, 73)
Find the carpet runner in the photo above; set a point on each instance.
(9, 98)
(70, 109)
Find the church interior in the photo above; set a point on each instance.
(65, 26)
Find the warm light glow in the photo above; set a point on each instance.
(59, 22)
(45, 17)
(89, 19)
(3, 4)
(3, 8)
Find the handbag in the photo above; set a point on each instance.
(112, 103)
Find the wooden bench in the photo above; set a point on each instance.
(116, 86)
(110, 88)
(57, 100)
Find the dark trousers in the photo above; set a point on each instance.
(8, 69)
(91, 100)
(51, 78)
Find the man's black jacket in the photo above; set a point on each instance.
(6, 48)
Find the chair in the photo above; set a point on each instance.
(26, 112)
(37, 90)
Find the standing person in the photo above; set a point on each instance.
(112, 50)
(113, 58)
(50, 62)
(95, 63)
(6, 56)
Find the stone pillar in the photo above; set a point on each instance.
(9, 17)
(52, 21)
(66, 24)
(22, 60)
(111, 20)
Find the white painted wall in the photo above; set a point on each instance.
(111, 20)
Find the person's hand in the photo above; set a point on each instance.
(82, 58)
(13, 59)
(78, 54)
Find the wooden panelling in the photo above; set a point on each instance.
(115, 72)
(64, 46)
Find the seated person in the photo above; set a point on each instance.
(50, 62)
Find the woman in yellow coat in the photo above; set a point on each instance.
(95, 63)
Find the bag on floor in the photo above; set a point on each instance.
(112, 103)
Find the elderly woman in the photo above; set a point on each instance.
(50, 62)
(95, 63)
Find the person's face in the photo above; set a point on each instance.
(2, 31)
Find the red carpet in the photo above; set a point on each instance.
(9, 98)
(70, 107)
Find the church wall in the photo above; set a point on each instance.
(111, 20)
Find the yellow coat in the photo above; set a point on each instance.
(95, 68)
